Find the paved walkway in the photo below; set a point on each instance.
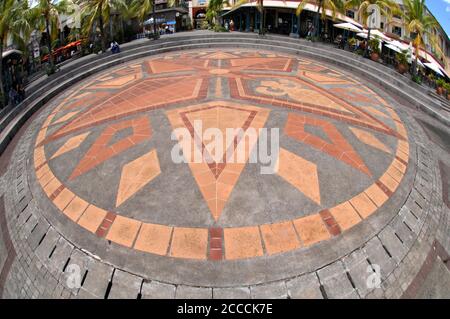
(110, 200)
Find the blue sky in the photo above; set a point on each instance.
(441, 10)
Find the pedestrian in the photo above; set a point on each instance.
(115, 48)
(21, 92)
(13, 96)
(231, 25)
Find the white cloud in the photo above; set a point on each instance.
(447, 9)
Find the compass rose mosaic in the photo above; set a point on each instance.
(104, 155)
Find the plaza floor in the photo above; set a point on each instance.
(99, 162)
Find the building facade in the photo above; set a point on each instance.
(396, 29)
(280, 18)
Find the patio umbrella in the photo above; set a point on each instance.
(348, 26)
(398, 44)
(434, 68)
(393, 47)
(374, 34)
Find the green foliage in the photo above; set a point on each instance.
(402, 58)
(50, 69)
(219, 28)
(98, 12)
(417, 79)
(204, 25)
(352, 41)
(386, 7)
(440, 83)
(446, 86)
(374, 45)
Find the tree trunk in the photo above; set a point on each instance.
(263, 14)
(317, 21)
(417, 57)
(102, 33)
(49, 43)
(155, 33)
(2, 89)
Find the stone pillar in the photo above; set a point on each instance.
(247, 21)
(293, 32)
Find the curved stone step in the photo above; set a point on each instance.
(361, 67)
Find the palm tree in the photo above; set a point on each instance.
(214, 7)
(46, 17)
(335, 6)
(420, 24)
(141, 8)
(386, 8)
(13, 25)
(100, 10)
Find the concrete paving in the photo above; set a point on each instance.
(98, 204)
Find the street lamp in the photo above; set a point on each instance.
(366, 50)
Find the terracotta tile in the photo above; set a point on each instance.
(345, 215)
(389, 182)
(279, 237)
(395, 173)
(377, 195)
(363, 205)
(105, 224)
(402, 156)
(311, 229)
(189, 243)
(63, 199)
(92, 218)
(153, 239)
(52, 186)
(399, 166)
(243, 242)
(403, 146)
(43, 170)
(216, 254)
(216, 232)
(123, 231)
(46, 178)
(300, 173)
(75, 208)
(330, 222)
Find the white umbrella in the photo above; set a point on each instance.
(348, 26)
(434, 67)
(374, 34)
(393, 47)
(402, 46)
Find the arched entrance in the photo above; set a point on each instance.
(199, 17)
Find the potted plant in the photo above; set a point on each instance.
(374, 46)
(440, 86)
(352, 43)
(402, 62)
(447, 88)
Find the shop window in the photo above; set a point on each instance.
(397, 31)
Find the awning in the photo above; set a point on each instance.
(348, 26)
(374, 34)
(394, 48)
(434, 67)
(292, 5)
(9, 52)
